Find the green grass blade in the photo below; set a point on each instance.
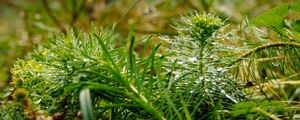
(152, 68)
(114, 67)
(105, 50)
(132, 60)
(185, 109)
(86, 104)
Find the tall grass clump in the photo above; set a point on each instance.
(57, 72)
(185, 80)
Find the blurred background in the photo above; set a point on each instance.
(26, 24)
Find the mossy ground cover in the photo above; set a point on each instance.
(206, 70)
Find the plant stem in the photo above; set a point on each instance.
(266, 113)
(201, 64)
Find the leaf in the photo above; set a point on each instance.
(114, 66)
(273, 19)
(296, 25)
(86, 104)
(296, 35)
(92, 85)
(296, 7)
(132, 59)
(185, 109)
(245, 105)
(242, 108)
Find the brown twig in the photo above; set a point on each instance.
(205, 5)
(76, 12)
(156, 32)
(52, 17)
(192, 5)
(128, 10)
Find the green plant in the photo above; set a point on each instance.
(191, 75)
(56, 73)
(124, 85)
(262, 110)
(270, 65)
(270, 59)
(198, 72)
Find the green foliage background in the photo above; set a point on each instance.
(265, 58)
